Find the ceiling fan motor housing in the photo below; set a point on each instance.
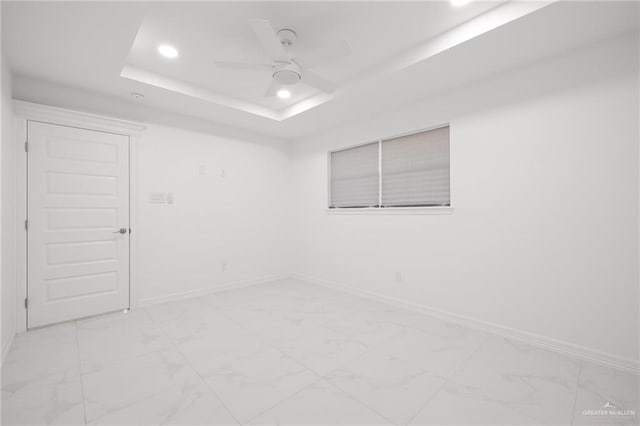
(287, 73)
(287, 37)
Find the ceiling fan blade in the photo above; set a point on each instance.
(242, 66)
(269, 39)
(314, 80)
(324, 54)
(272, 89)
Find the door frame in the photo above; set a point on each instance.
(28, 111)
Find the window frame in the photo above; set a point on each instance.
(390, 210)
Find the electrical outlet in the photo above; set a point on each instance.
(223, 173)
(223, 266)
(398, 277)
(203, 169)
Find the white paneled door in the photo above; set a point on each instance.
(78, 223)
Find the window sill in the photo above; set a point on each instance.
(393, 210)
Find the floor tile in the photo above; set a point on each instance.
(106, 340)
(527, 382)
(290, 352)
(606, 396)
(372, 327)
(457, 404)
(39, 353)
(183, 320)
(391, 386)
(187, 405)
(320, 404)
(323, 349)
(279, 327)
(213, 349)
(434, 345)
(119, 385)
(173, 311)
(321, 310)
(383, 311)
(253, 384)
(53, 399)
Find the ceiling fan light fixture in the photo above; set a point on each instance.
(286, 77)
(168, 51)
(283, 94)
(287, 73)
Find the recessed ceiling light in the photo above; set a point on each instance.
(459, 3)
(284, 94)
(168, 51)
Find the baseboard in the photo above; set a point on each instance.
(6, 346)
(545, 342)
(209, 290)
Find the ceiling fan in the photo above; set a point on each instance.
(287, 69)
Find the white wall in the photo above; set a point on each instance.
(227, 224)
(8, 220)
(545, 185)
(543, 239)
(239, 218)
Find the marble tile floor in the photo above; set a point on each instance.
(289, 352)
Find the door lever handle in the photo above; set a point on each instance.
(120, 231)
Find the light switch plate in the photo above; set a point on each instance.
(157, 197)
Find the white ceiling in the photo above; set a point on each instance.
(402, 51)
(208, 32)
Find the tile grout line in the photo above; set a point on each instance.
(109, 365)
(116, 362)
(575, 397)
(273, 345)
(448, 379)
(334, 387)
(284, 399)
(122, 361)
(204, 381)
(276, 343)
(157, 351)
(369, 348)
(324, 377)
(270, 345)
(84, 407)
(269, 342)
(127, 405)
(353, 398)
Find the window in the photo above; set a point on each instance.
(354, 177)
(407, 171)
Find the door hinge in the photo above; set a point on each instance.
(26, 224)
(26, 147)
(26, 303)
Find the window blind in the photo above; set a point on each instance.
(415, 170)
(354, 177)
